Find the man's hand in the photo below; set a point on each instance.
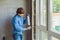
(29, 28)
(25, 25)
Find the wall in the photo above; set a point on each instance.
(7, 11)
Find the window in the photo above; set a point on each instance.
(55, 16)
(54, 38)
(47, 19)
(43, 12)
(43, 35)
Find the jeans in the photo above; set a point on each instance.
(17, 37)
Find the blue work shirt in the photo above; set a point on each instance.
(18, 24)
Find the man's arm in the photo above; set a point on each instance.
(17, 26)
(26, 24)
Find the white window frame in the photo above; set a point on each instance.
(41, 27)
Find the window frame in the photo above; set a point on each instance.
(49, 14)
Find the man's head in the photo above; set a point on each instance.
(20, 11)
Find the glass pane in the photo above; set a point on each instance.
(37, 13)
(56, 16)
(43, 13)
(54, 38)
(43, 36)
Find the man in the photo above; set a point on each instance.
(18, 24)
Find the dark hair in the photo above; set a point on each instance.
(20, 11)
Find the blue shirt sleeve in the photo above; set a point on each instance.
(16, 25)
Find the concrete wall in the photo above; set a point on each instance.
(7, 11)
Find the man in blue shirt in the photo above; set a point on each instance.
(18, 24)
